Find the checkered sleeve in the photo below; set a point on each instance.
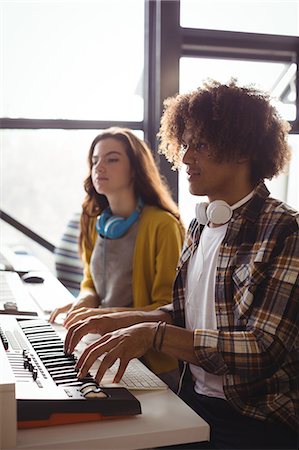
(272, 323)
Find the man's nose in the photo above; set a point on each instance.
(188, 156)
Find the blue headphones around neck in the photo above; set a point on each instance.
(114, 227)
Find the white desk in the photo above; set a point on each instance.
(165, 420)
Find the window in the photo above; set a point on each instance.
(72, 60)
(279, 17)
(70, 65)
(225, 39)
(278, 78)
(71, 68)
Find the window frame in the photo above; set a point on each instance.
(161, 71)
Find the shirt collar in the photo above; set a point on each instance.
(252, 208)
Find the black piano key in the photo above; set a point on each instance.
(34, 337)
(33, 324)
(46, 339)
(36, 330)
(67, 383)
(58, 371)
(52, 356)
(58, 363)
(45, 330)
(41, 338)
(64, 376)
(48, 345)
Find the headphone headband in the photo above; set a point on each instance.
(113, 227)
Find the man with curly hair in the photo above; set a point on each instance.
(234, 319)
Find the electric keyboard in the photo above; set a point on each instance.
(18, 260)
(14, 299)
(47, 390)
(31, 299)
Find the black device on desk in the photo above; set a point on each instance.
(48, 391)
(32, 277)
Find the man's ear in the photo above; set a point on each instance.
(242, 159)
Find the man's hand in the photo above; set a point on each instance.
(100, 324)
(123, 344)
(83, 313)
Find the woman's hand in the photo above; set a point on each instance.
(89, 300)
(57, 311)
(83, 313)
(123, 344)
(77, 315)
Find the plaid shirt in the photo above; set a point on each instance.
(255, 346)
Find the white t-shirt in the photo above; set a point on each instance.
(200, 301)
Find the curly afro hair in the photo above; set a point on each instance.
(235, 121)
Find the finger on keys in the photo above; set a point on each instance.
(69, 320)
(74, 335)
(99, 345)
(109, 359)
(121, 370)
(76, 316)
(58, 311)
(89, 356)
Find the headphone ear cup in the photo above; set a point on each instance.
(219, 212)
(201, 212)
(101, 221)
(115, 227)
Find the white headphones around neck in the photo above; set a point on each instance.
(218, 212)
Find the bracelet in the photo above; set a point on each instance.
(163, 329)
(155, 335)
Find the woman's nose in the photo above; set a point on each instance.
(100, 166)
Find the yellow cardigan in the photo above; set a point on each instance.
(157, 250)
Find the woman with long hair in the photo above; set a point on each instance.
(131, 231)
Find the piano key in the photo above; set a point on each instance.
(48, 346)
(58, 363)
(38, 339)
(51, 356)
(63, 377)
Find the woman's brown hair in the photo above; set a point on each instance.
(148, 183)
(235, 121)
